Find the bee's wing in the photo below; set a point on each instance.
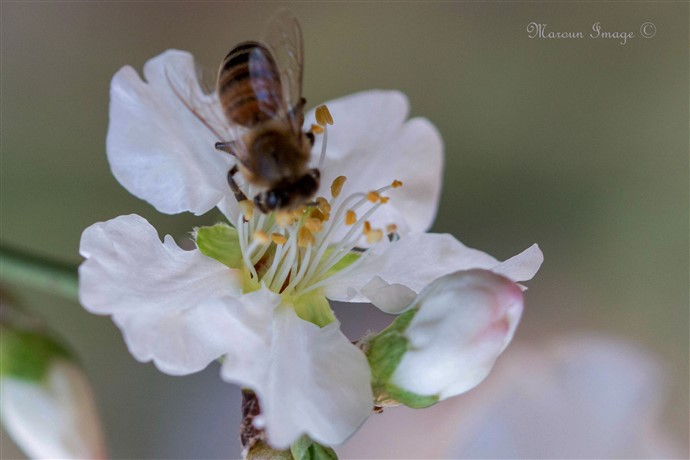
(198, 96)
(264, 77)
(193, 93)
(283, 35)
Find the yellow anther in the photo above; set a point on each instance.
(374, 236)
(278, 238)
(337, 186)
(323, 204)
(367, 227)
(385, 199)
(283, 218)
(373, 196)
(314, 225)
(350, 217)
(317, 213)
(296, 214)
(261, 237)
(316, 129)
(247, 209)
(391, 228)
(396, 183)
(305, 238)
(323, 116)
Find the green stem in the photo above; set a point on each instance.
(30, 271)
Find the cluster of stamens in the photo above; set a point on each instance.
(295, 251)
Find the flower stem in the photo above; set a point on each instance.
(29, 271)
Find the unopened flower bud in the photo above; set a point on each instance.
(447, 341)
(47, 404)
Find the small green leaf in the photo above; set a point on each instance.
(313, 307)
(221, 243)
(306, 449)
(27, 355)
(410, 399)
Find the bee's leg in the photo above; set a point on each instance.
(239, 194)
(227, 147)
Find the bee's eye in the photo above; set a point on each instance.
(272, 200)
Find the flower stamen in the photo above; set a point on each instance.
(337, 186)
(261, 237)
(323, 116)
(247, 209)
(278, 238)
(305, 238)
(373, 196)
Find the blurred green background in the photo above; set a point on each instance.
(578, 145)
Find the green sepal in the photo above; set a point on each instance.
(28, 355)
(306, 449)
(220, 242)
(313, 307)
(410, 399)
(384, 352)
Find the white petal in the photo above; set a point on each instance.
(465, 320)
(56, 418)
(371, 144)
(157, 148)
(162, 297)
(309, 380)
(247, 362)
(416, 260)
(523, 266)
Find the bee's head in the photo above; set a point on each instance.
(289, 195)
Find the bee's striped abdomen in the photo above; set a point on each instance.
(249, 85)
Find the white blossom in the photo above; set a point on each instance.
(254, 293)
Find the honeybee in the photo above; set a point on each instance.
(259, 87)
